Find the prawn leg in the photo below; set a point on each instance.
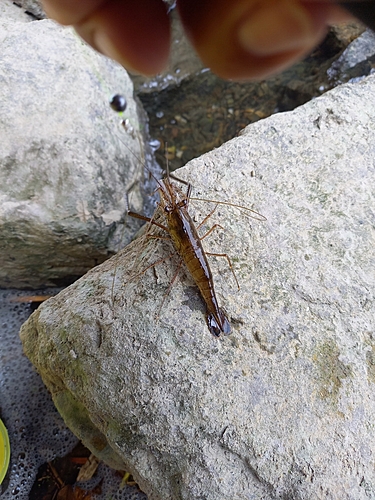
(155, 237)
(136, 215)
(160, 261)
(150, 220)
(170, 285)
(206, 219)
(210, 231)
(212, 228)
(229, 264)
(217, 254)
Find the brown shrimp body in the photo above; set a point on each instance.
(188, 244)
(184, 235)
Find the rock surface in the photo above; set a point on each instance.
(33, 7)
(284, 407)
(9, 11)
(64, 164)
(357, 60)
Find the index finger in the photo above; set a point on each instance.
(136, 33)
(70, 11)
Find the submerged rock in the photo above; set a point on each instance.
(284, 406)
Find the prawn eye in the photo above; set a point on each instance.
(183, 203)
(168, 209)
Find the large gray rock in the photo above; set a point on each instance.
(64, 160)
(32, 7)
(356, 60)
(10, 11)
(284, 407)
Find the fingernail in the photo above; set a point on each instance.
(279, 27)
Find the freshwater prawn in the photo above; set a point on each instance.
(183, 233)
(184, 236)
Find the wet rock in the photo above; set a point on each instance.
(64, 159)
(10, 11)
(284, 406)
(348, 32)
(357, 60)
(32, 7)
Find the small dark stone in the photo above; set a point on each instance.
(118, 103)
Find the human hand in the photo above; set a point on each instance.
(237, 39)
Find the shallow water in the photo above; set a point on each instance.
(204, 111)
(36, 431)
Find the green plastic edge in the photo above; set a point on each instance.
(5, 445)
